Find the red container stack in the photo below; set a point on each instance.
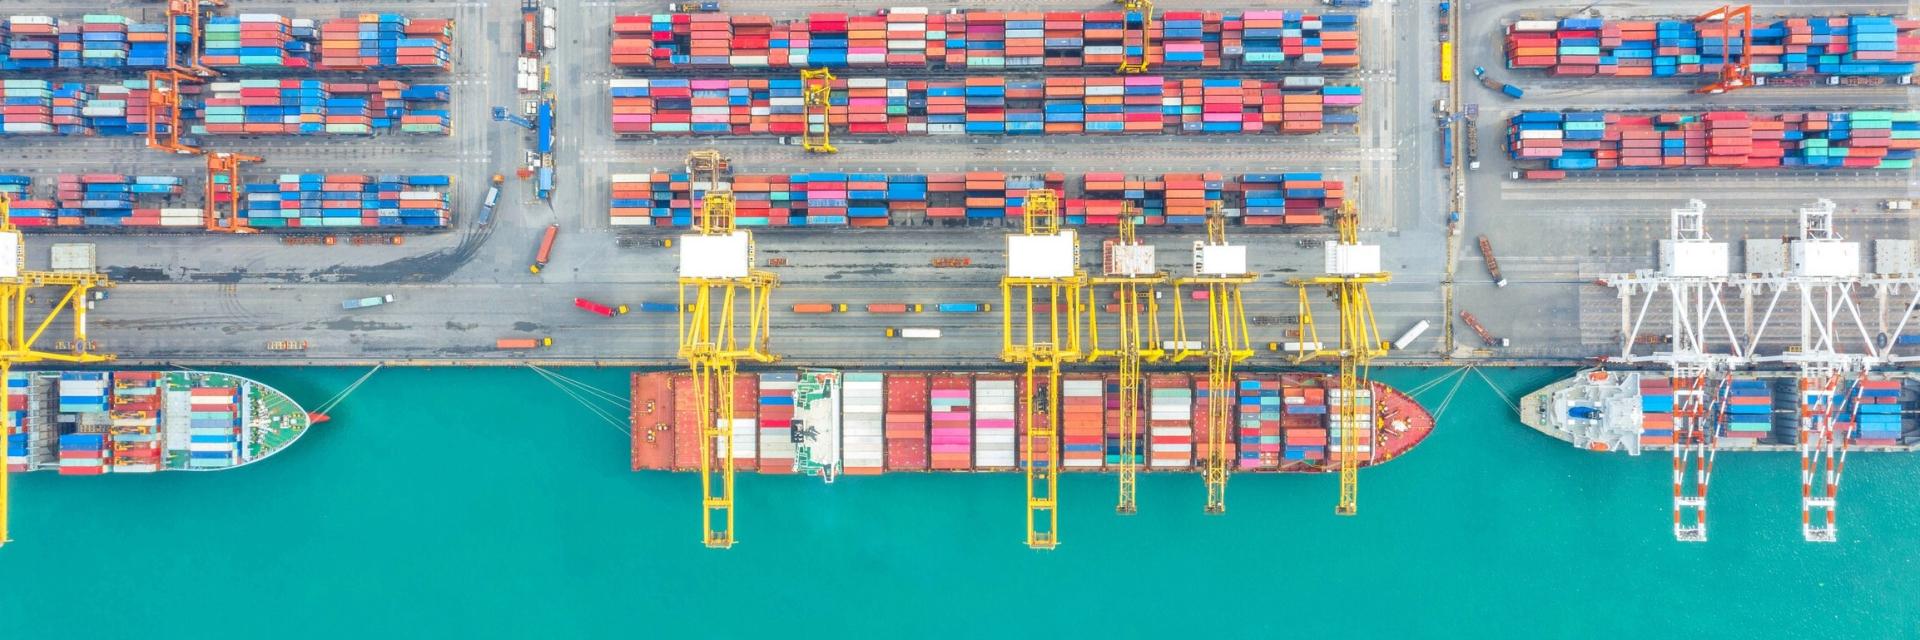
(906, 421)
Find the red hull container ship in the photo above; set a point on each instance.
(940, 421)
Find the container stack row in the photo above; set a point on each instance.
(39, 107)
(214, 427)
(248, 41)
(776, 422)
(1656, 411)
(970, 422)
(1112, 450)
(987, 40)
(864, 440)
(386, 41)
(874, 200)
(1082, 432)
(746, 423)
(345, 201)
(1828, 46)
(985, 105)
(138, 442)
(1749, 413)
(311, 107)
(109, 200)
(93, 41)
(1362, 426)
(1877, 413)
(83, 447)
(15, 185)
(906, 426)
(24, 443)
(1605, 141)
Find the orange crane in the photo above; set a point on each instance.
(1733, 75)
(190, 10)
(163, 99)
(223, 163)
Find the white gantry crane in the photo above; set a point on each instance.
(1700, 350)
(1832, 355)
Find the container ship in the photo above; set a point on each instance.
(829, 422)
(99, 422)
(1623, 410)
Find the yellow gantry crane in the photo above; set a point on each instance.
(718, 284)
(816, 95)
(1043, 266)
(1350, 267)
(1128, 266)
(16, 343)
(1221, 269)
(1128, 63)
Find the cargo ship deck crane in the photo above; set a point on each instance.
(1128, 266)
(1734, 75)
(16, 341)
(816, 95)
(227, 164)
(1043, 267)
(1821, 273)
(719, 285)
(1220, 268)
(1701, 353)
(1130, 64)
(1350, 267)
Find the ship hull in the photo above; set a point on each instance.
(105, 422)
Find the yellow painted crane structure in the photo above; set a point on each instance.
(1221, 269)
(1127, 265)
(16, 342)
(816, 96)
(226, 164)
(1043, 267)
(718, 286)
(1130, 63)
(1350, 267)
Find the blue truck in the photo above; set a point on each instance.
(962, 307)
(1496, 85)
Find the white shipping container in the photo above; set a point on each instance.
(1536, 25)
(630, 221)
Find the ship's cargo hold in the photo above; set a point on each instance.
(1871, 46)
(313, 107)
(522, 343)
(344, 201)
(746, 423)
(876, 200)
(93, 423)
(986, 40)
(1605, 141)
(1283, 422)
(906, 421)
(983, 106)
(776, 422)
(864, 441)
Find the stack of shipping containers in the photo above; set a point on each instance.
(214, 426)
(1083, 438)
(1363, 423)
(1656, 410)
(1258, 427)
(1170, 430)
(746, 423)
(1112, 405)
(776, 422)
(344, 201)
(994, 431)
(137, 440)
(906, 428)
(1603, 141)
(39, 107)
(1749, 413)
(863, 439)
(24, 443)
(1304, 423)
(952, 422)
(1877, 413)
(83, 447)
(1831, 46)
(1203, 396)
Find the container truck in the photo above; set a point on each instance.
(1470, 121)
(912, 333)
(1411, 335)
(1485, 336)
(362, 303)
(546, 248)
(952, 262)
(600, 309)
(522, 343)
(1496, 85)
(1897, 205)
(1446, 145)
(1174, 345)
(529, 32)
(819, 307)
(659, 307)
(893, 308)
(1493, 265)
(1348, 4)
(963, 307)
(493, 198)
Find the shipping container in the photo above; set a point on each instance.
(1871, 48)
(1581, 141)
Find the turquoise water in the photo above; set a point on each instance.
(483, 503)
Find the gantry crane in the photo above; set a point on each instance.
(1128, 64)
(1043, 266)
(1350, 267)
(1128, 266)
(227, 164)
(718, 284)
(1222, 269)
(1694, 271)
(16, 343)
(186, 13)
(816, 96)
(1733, 74)
(163, 99)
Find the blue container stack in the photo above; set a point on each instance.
(15, 185)
(313, 200)
(1877, 412)
(113, 200)
(1259, 407)
(19, 391)
(1749, 409)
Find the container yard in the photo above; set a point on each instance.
(1093, 239)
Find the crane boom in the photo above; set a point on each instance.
(1222, 269)
(16, 342)
(1128, 266)
(1351, 267)
(1043, 266)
